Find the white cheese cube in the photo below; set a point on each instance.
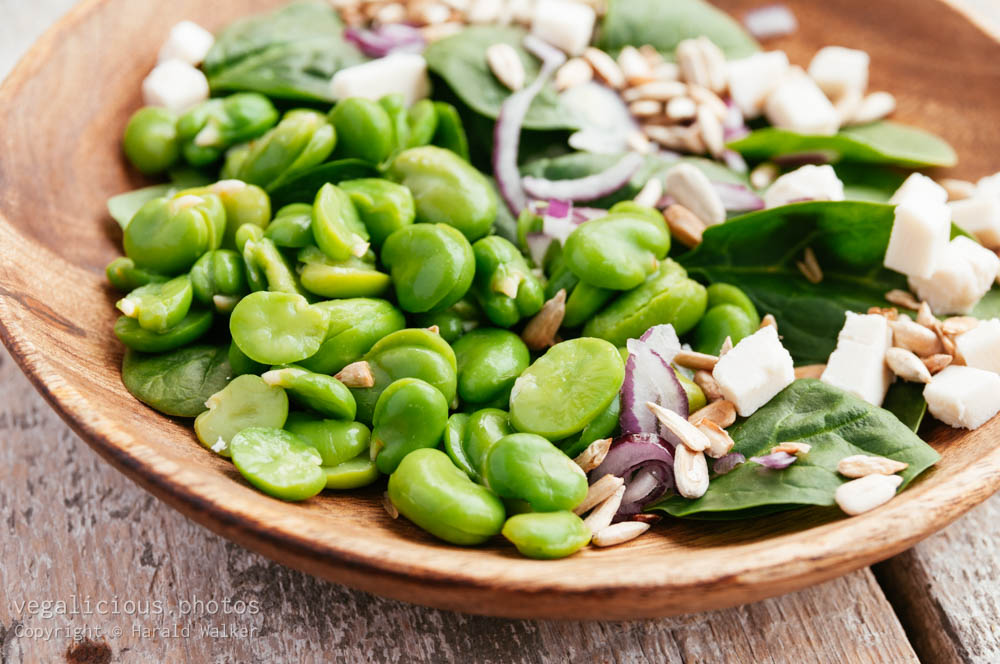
(919, 236)
(965, 272)
(858, 363)
(797, 104)
(809, 182)
(751, 79)
(187, 42)
(838, 70)
(564, 24)
(919, 185)
(963, 397)
(980, 216)
(175, 85)
(980, 347)
(989, 186)
(404, 73)
(755, 370)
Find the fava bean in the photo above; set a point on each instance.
(395, 106)
(454, 437)
(291, 226)
(335, 440)
(695, 395)
(247, 401)
(484, 428)
(278, 462)
(277, 328)
(353, 277)
(324, 394)
(547, 535)
(504, 285)
(151, 140)
(301, 140)
(719, 322)
(527, 466)
(125, 276)
(421, 120)
(241, 364)
(208, 129)
(351, 474)
(158, 306)
(429, 490)
(355, 326)
(721, 293)
(336, 226)
(489, 361)
(432, 266)
(265, 260)
(617, 251)
(194, 325)
(601, 426)
(219, 278)
(167, 235)
(364, 130)
(410, 414)
(450, 132)
(384, 206)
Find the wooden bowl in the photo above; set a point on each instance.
(62, 112)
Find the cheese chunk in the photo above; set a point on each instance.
(989, 186)
(838, 70)
(963, 397)
(175, 85)
(564, 24)
(919, 185)
(964, 273)
(187, 42)
(980, 216)
(980, 347)
(755, 370)
(919, 236)
(858, 363)
(813, 183)
(751, 79)
(797, 104)
(404, 73)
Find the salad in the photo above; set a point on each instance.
(551, 269)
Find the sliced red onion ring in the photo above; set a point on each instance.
(727, 463)
(796, 159)
(586, 188)
(582, 214)
(604, 119)
(775, 461)
(385, 39)
(734, 160)
(770, 21)
(507, 131)
(646, 464)
(737, 197)
(650, 378)
(663, 339)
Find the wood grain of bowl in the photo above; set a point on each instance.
(62, 112)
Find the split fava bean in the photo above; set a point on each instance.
(352, 474)
(277, 328)
(355, 326)
(336, 226)
(421, 121)
(302, 139)
(324, 394)
(336, 441)
(529, 467)
(482, 430)
(601, 426)
(221, 272)
(208, 129)
(454, 436)
(291, 226)
(409, 415)
(547, 535)
(167, 235)
(278, 462)
(489, 361)
(193, 326)
(247, 401)
(384, 206)
(353, 277)
(429, 490)
(432, 266)
(721, 293)
(159, 306)
(123, 274)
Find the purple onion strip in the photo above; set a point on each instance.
(727, 463)
(646, 464)
(776, 460)
(586, 188)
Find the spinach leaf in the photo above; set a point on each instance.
(460, 61)
(876, 143)
(906, 402)
(302, 188)
(291, 53)
(124, 206)
(664, 24)
(582, 164)
(835, 423)
(869, 182)
(178, 382)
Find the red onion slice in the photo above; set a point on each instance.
(734, 160)
(646, 464)
(737, 197)
(538, 246)
(770, 21)
(385, 39)
(507, 131)
(582, 214)
(586, 188)
(664, 340)
(727, 463)
(776, 460)
(649, 377)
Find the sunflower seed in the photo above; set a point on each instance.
(576, 71)
(646, 517)
(650, 194)
(540, 331)
(809, 371)
(866, 493)
(356, 374)
(605, 67)
(862, 465)
(619, 533)
(719, 441)
(907, 366)
(681, 108)
(705, 97)
(506, 65)
(925, 316)
(703, 63)
(685, 139)
(390, 509)
(711, 131)
(809, 266)
(692, 189)
(694, 360)
(645, 108)
(658, 91)
(688, 434)
(793, 448)
(887, 312)
(685, 226)
(706, 381)
(598, 492)
(936, 363)
(727, 345)
(593, 456)
(634, 66)
(484, 11)
(959, 325)
(768, 321)
(722, 412)
(874, 106)
(902, 298)
(763, 175)
(439, 31)
(690, 472)
(602, 515)
(917, 338)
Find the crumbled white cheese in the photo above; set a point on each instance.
(176, 85)
(919, 236)
(187, 42)
(980, 346)
(752, 78)
(797, 104)
(809, 182)
(564, 24)
(963, 396)
(919, 185)
(838, 70)
(965, 272)
(755, 370)
(980, 216)
(404, 73)
(858, 363)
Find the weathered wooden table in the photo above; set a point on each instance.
(93, 569)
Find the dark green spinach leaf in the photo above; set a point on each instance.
(291, 53)
(665, 23)
(460, 61)
(835, 423)
(178, 382)
(869, 182)
(906, 402)
(302, 188)
(876, 143)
